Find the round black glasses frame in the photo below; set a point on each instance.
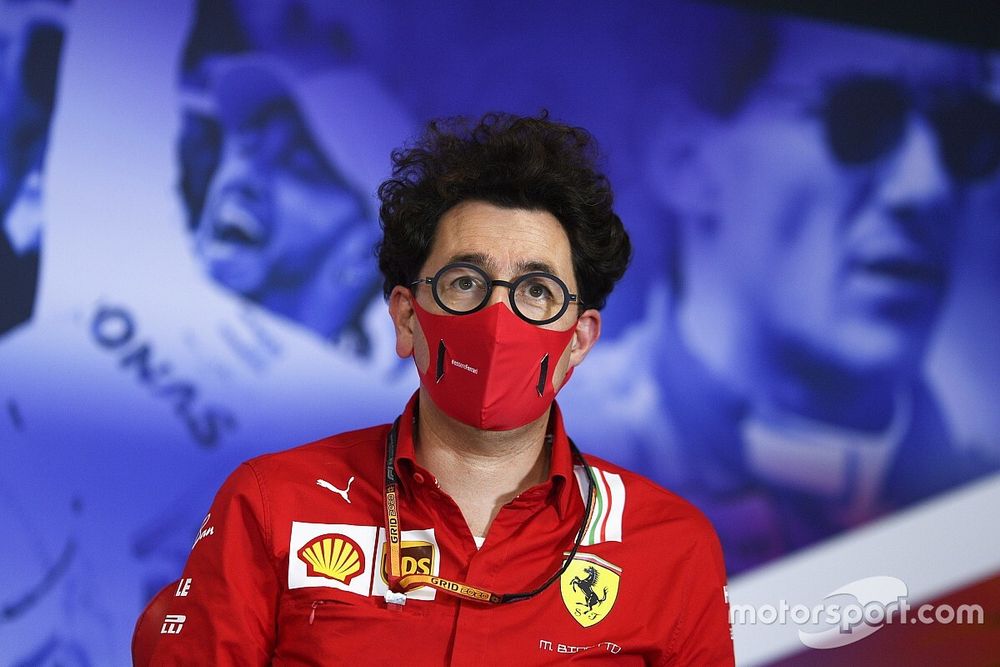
(511, 286)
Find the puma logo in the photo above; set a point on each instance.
(342, 492)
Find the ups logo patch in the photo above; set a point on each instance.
(416, 557)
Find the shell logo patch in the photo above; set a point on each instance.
(333, 556)
(589, 588)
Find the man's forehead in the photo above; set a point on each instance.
(809, 52)
(502, 240)
(492, 264)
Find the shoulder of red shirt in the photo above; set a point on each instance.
(657, 501)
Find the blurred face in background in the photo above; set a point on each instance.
(837, 193)
(275, 205)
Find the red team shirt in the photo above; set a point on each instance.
(287, 568)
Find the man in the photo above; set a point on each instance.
(284, 220)
(818, 177)
(471, 531)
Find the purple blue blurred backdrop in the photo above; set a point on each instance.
(805, 343)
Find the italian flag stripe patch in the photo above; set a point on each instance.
(605, 524)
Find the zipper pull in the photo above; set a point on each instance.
(312, 614)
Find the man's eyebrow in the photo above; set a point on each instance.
(485, 262)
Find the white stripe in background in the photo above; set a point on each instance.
(936, 547)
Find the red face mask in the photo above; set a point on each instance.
(491, 369)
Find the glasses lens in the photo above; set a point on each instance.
(539, 297)
(865, 119)
(461, 289)
(969, 129)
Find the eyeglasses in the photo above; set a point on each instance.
(865, 118)
(537, 297)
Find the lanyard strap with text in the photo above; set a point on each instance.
(399, 584)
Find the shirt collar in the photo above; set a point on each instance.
(406, 458)
(560, 485)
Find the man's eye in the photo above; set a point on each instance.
(538, 291)
(466, 283)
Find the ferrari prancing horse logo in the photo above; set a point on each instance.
(589, 588)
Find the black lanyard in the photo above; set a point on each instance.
(399, 583)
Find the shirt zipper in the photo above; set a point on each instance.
(316, 603)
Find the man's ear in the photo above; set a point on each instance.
(588, 330)
(404, 319)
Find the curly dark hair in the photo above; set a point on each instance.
(512, 162)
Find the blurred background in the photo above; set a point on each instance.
(805, 345)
